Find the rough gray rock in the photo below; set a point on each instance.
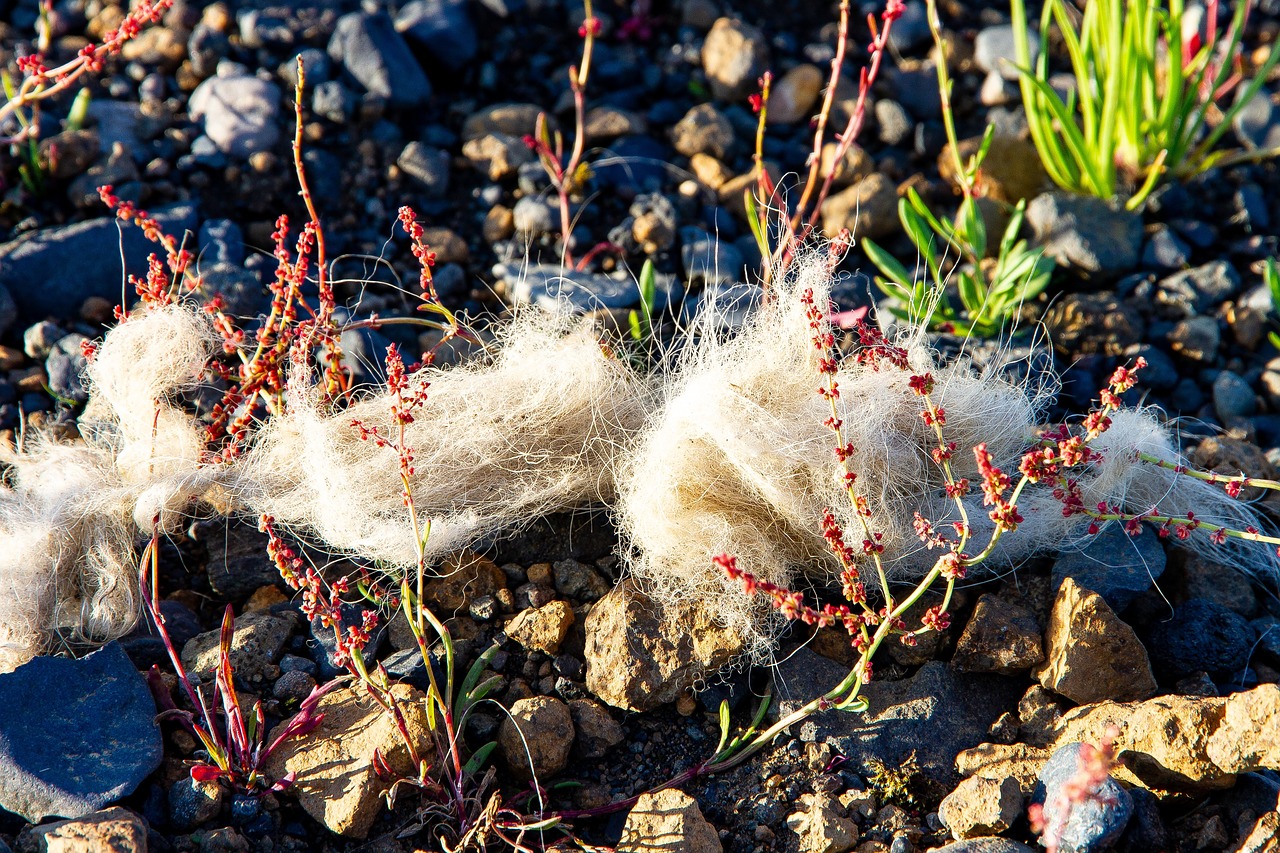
(936, 713)
(75, 735)
(1086, 233)
(52, 270)
(369, 48)
(1115, 565)
(238, 112)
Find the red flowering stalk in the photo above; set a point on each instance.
(567, 174)
(40, 82)
(322, 602)
(804, 219)
(1062, 450)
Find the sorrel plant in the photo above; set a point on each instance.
(234, 740)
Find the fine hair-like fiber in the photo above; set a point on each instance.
(737, 460)
(724, 451)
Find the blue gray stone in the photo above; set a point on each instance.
(639, 162)
(192, 803)
(1113, 564)
(443, 29)
(534, 215)
(709, 259)
(221, 241)
(1257, 125)
(557, 290)
(315, 65)
(1093, 825)
(324, 642)
(894, 123)
(333, 101)
(936, 713)
(1165, 250)
(1085, 233)
(426, 165)
(50, 272)
(75, 735)
(993, 50)
(65, 366)
(240, 113)
(117, 121)
(911, 30)
(1233, 397)
(1197, 290)
(241, 290)
(369, 48)
(1201, 636)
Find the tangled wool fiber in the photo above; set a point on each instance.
(737, 460)
(496, 445)
(70, 514)
(725, 452)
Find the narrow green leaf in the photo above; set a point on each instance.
(888, 265)
(478, 758)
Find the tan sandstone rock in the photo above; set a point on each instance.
(668, 822)
(640, 657)
(336, 781)
(1090, 654)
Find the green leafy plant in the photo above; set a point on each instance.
(990, 292)
(1145, 91)
(641, 321)
(235, 745)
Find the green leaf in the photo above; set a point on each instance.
(970, 224)
(756, 223)
(478, 758)
(477, 669)
(79, 110)
(890, 266)
(972, 295)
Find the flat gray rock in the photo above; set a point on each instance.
(936, 713)
(50, 272)
(75, 735)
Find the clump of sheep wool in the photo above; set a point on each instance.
(70, 513)
(737, 459)
(497, 444)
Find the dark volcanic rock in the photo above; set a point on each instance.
(372, 52)
(51, 271)
(1115, 565)
(936, 713)
(442, 28)
(1202, 636)
(75, 735)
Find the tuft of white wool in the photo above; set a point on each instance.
(736, 459)
(496, 445)
(71, 513)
